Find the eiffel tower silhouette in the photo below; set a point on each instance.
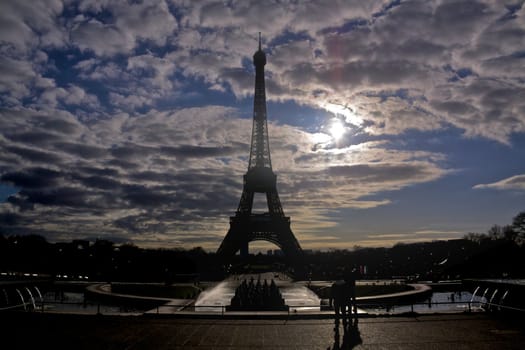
(272, 226)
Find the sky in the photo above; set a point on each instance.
(389, 121)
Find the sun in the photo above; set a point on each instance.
(337, 129)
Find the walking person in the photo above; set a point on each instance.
(350, 280)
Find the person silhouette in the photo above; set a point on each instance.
(339, 298)
(350, 279)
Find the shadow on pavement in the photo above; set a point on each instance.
(351, 336)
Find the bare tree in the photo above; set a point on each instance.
(518, 226)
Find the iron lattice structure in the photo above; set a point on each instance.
(272, 226)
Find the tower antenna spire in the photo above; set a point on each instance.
(259, 41)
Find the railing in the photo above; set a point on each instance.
(429, 305)
(72, 307)
(469, 306)
(24, 306)
(223, 309)
(89, 307)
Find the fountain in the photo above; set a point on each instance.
(22, 298)
(39, 294)
(492, 299)
(259, 296)
(300, 298)
(217, 298)
(474, 294)
(503, 295)
(296, 296)
(6, 298)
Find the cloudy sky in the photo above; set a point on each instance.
(389, 121)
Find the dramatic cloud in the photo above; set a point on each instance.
(126, 26)
(179, 171)
(131, 120)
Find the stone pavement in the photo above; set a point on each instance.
(66, 331)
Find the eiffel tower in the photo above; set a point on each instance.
(272, 226)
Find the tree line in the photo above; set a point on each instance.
(514, 232)
(499, 253)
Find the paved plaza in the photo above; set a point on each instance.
(448, 331)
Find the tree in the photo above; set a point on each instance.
(508, 233)
(475, 237)
(495, 232)
(518, 226)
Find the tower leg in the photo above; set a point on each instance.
(244, 250)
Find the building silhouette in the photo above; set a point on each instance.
(272, 226)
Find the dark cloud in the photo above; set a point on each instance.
(98, 182)
(40, 138)
(131, 151)
(60, 125)
(383, 172)
(122, 164)
(454, 107)
(103, 172)
(146, 196)
(465, 17)
(188, 151)
(240, 81)
(9, 219)
(34, 155)
(33, 178)
(139, 223)
(80, 150)
(61, 196)
(16, 76)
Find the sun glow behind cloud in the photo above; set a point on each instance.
(345, 111)
(337, 129)
(320, 138)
